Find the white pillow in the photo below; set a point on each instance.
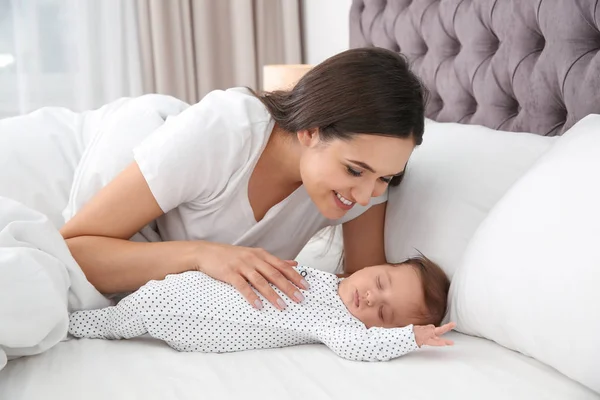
(452, 181)
(530, 280)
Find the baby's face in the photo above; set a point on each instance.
(383, 295)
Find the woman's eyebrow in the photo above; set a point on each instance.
(363, 165)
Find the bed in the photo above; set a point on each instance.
(144, 369)
(507, 78)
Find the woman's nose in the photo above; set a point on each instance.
(363, 194)
(361, 197)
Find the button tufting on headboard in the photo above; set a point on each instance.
(519, 65)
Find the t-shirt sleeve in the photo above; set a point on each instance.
(193, 155)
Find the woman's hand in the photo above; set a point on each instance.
(429, 335)
(242, 266)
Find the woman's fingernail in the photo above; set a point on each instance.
(257, 304)
(281, 304)
(305, 284)
(299, 296)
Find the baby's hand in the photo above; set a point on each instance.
(430, 335)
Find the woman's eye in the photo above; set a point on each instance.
(379, 282)
(353, 172)
(385, 179)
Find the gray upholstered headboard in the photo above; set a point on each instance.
(515, 65)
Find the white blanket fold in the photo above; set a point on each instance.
(53, 162)
(40, 283)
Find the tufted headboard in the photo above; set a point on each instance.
(513, 65)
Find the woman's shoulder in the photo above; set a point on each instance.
(228, 121)
(231, 125)
(195, 154)
(237, 106)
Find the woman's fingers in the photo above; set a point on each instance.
(262, 286)
(242, 286)
(281, 281)
(257, 270)
(252, 278)
(285, 268)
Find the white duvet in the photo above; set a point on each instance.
(52, 161)
(40, 283)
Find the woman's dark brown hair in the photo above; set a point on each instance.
(359, 91)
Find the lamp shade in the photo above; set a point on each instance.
(283, 76)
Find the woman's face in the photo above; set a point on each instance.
(337, 174)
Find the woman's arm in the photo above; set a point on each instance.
(363, 239)
(117, 265)
(98, 237)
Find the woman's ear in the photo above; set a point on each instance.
(308, 137)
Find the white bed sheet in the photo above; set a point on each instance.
(147, 369)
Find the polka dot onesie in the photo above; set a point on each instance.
(193, 312)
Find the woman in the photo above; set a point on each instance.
(239, 182)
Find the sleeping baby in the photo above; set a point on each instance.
(376, 314)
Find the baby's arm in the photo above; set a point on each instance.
(381, 344)
(117, 322)
(373, 344)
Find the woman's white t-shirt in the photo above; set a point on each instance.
(198, 165)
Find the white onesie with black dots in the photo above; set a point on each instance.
(193, 312)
